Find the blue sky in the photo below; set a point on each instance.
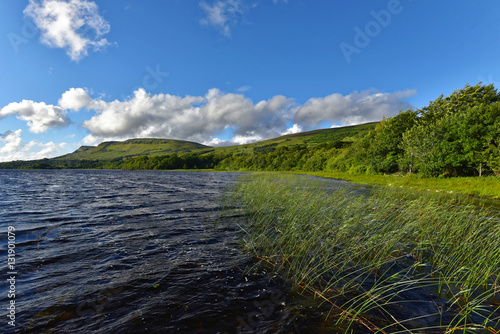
(79, 72)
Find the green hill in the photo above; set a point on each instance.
(114, 153)
(152, 147)
(309, 138)
(132, 148)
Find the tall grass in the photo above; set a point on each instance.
(486, 186)
(388, 260)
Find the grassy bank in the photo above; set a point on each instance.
(476, 186)
(385, 261)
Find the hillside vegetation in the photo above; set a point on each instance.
(132, 148)
(454, 136)
(178, 154)
(458, 135)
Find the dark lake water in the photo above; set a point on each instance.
(134, 252)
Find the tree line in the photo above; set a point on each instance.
(457, 135)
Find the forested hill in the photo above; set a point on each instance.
(183, 154)
(457, 135)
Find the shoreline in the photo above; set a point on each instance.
(394, 259)
(485, 188)
(482, 188)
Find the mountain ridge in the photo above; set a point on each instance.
(120, 151)
(110, 150)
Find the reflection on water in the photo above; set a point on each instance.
(130, 252)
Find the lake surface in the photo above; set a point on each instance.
(135, 252)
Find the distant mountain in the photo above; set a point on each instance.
(116, 151)
(149, 146)
(133, 147)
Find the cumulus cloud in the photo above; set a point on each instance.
(74, 25)
(251, 138)
(74, 99)
(196, 118)
(204, 118)
(294, 129)
(12, 141)
(215, 119)
(12, 148)
(144, 115)
(355, 108)
(40, 116)
(222, 14)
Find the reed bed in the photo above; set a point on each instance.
(388, 260)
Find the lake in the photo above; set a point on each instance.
(134, 252)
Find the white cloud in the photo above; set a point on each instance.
(203, 118)
(251, 138)
(12, 140)
(217, 142)
(74, 25)
(196, 118)
(74, 99)
(40, 116)
(12, 148)
(355, 108)
(215, 119)
(144, 115)
(222, 14)
(294, 129)
(243, 89)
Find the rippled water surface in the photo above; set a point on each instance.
(134, 252)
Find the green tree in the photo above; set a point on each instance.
(458, 101)
(384, 147)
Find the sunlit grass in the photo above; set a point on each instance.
(477, 186)
(390, 260)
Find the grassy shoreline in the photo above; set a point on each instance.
(388, 260)
(487, 187)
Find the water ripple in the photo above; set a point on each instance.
(130, 252)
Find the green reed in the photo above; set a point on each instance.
(390, 260)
